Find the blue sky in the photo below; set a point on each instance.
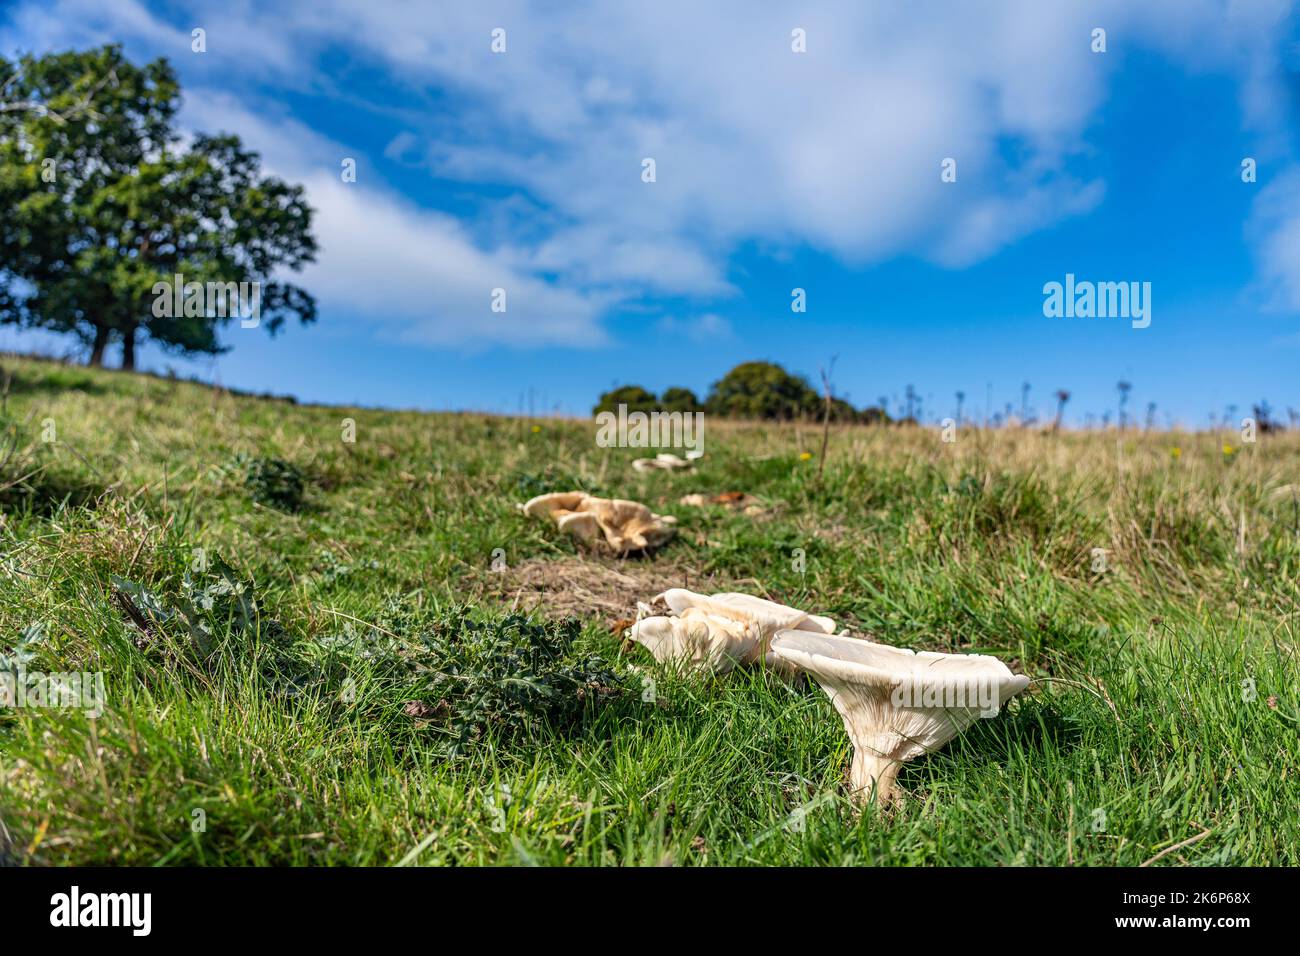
(775, 170)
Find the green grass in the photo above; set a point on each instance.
(285, 724)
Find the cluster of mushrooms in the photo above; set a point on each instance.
(896, 704)
(612, 525)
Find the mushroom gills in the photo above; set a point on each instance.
(897, 704)
(611, 524)
(717, 632)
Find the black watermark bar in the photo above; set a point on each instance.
(138, 906)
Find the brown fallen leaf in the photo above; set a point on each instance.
(735, 500)
(422, 711)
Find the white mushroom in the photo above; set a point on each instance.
(897, 704)
(717, 632)
(544, 505)
(661, 462)
(612, 524)
(773, 616)
(695, 642)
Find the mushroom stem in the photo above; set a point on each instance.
(896, 704)
(870, 770)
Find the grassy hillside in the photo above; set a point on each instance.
(297, 638)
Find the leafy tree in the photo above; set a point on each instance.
(751, 390)
(679, 400)
(843, 412)
(636, 398)
(100, 202)
(761, 390)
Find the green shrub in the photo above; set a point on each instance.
(510, 676)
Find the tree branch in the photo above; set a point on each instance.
(79, 108)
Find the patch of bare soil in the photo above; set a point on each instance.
(591, 588)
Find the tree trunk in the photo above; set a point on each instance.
(128, 348)
(96, 359)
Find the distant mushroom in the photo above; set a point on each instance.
(897, 704)
(664, 461)
(612, 524)
(733, 500)
(715, 633)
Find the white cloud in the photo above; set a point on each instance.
(1274, 231)
(400, 146)
(410, 270)
(708, 327)
(414, 272)
(838, 148)
(77, 23)
(417, 272)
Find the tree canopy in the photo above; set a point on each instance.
(100, 202)
(679, 400)
(638, 399)
(761, 390)
(757, 390)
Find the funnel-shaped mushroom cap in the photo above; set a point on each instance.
(742, 625)
(630, 525)
(696, 642)
(897, 704)
(621, 526)
(771, 613)
(768, 616)
(556, 501)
